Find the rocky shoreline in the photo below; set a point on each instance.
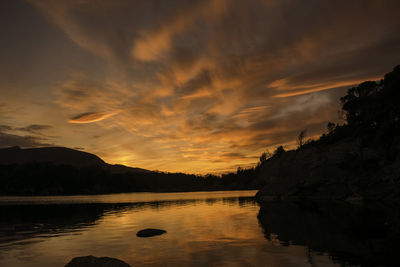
(340, 171)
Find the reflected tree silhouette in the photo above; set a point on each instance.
(365, 235)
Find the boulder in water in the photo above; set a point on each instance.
(91, 261)
(150, 232)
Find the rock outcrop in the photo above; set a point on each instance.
(343, 170)
(91, 261)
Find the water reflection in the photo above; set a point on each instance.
(23, 221)
(365, 235)
(202, 229)
(214, 228)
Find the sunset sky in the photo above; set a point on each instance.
(192, 86)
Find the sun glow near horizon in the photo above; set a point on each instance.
(192, 86)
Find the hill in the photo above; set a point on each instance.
(65, 171)
(59, 156)
(53, 155)
(358, 160)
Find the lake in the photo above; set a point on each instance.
(224, 228)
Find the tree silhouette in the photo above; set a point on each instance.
(331, 127)
(361, 105)
(301, 138)
(279, 151)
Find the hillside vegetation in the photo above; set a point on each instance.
(358, 160)
(64, 171)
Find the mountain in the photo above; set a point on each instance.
(59, 156)
(65, 171)
(53, 155)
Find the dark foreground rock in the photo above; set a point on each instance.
(150, 232)
(91, 261)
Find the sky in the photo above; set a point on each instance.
(199, 86)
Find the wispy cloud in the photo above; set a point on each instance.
(8, 137)
(89, 117)
(296, 90)
(207, 85)
(34, 128)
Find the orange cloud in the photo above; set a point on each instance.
(251, 111)
(190, 76)
(317, 88)
(198, 94)
(154, 44)
(90, 117)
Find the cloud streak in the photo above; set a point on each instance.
(34, 128)
(307, 89)
(9, 138)
(90, 117)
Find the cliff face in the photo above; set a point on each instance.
(342, 170)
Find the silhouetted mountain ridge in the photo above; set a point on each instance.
(59, 156)
(54, 155)
(65, 171)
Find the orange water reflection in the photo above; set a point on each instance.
(203, 229)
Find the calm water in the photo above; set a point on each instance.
(203, 229)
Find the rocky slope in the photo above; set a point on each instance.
(359, 160)
(344, 170)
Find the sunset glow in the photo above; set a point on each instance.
(185, 86)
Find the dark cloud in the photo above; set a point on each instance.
(5, 128)
(233, 155)
(200, 81)
(35, 138)
(7, 140)
(34, 128)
